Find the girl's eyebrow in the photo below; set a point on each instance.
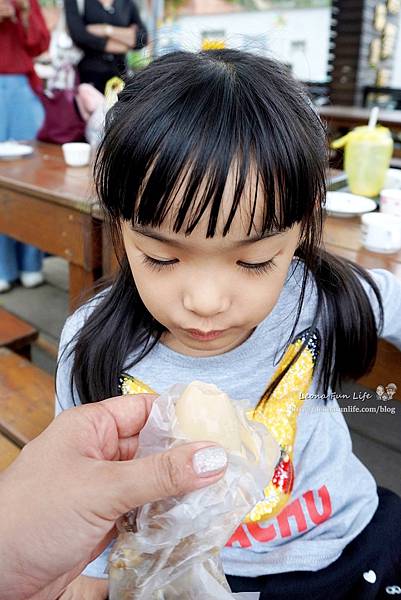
(151, 233)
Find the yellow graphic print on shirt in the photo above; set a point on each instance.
(279, 413)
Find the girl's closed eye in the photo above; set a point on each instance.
(256, 268)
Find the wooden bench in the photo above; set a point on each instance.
(16, 334)
(387, 369)
(26, 398)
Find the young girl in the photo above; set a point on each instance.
(212, 173)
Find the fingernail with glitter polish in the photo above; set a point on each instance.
(209, 460)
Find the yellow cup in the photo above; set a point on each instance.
(367, 157)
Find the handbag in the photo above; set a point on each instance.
(62, 122)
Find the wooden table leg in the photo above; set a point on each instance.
(81, 284)
(68, 232)
(110, 262)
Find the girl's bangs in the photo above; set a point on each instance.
(196, 141)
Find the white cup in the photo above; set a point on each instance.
(390, 202)
(76, 154)
(381, 232)
(393, 179)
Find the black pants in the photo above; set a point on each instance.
(99, 74)
(368, 568)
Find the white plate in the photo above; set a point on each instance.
(14, 150)
(343, 204)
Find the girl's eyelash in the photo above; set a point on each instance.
(260, 268)
(257, 269)
(158, 265)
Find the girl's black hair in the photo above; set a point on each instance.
(188, 119)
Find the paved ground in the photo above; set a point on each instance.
(46, 307)
(376, 437)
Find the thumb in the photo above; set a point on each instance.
(172, 473)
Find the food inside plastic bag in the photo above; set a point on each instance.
(170, 549)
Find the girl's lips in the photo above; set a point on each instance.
(201, 335)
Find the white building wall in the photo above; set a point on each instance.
(299, 37)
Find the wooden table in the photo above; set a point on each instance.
(8, 452)
(45, 203)
(352, 116)
(342, 237)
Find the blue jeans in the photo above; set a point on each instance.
(21, 116)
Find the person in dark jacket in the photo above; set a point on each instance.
(105, 32)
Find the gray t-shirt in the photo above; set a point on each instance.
(333, 495)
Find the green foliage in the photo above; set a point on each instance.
(137, 59)
(284, 4)
(49, 3)
(174, 5)
(248, 4)
(303, 3)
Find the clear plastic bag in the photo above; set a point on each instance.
(170, 549)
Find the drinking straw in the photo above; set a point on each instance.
(374, 114)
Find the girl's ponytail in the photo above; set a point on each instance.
(344, 317)
(349, 327)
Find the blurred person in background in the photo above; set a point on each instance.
(23, 35)
(105, 32)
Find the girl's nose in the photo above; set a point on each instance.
(205, 300)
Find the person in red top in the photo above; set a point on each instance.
(23, 35)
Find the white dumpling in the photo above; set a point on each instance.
(205, 413)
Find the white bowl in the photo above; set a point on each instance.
(76, 154)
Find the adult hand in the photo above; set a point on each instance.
(24, 7)
(61, 497)
(7, 10)
(98, 29)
